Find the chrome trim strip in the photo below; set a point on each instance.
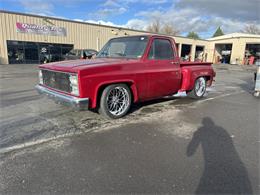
(75, 102)
(71, 73)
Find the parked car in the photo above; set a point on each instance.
(80, 54)
(127, 70)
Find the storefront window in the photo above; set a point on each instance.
(15, 52)
(20, 52)
(55, 51)
(31, 53)
(44, 53)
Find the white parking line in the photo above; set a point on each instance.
(211, 98)
(32, 143)
(220, 96)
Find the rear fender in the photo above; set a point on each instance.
(190, 76)
(186, 79)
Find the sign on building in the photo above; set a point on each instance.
(40, 29)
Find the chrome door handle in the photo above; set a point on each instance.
(174, 62)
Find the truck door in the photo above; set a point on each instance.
(164, 76)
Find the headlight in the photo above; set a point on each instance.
(74, 84)
(73, 79)
(40, 77)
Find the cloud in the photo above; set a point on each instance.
(185, 20)
(136, 24)
(132, 24)
(118, 7)
(128, 2)
(108, 9)
(47, 7)
(111, 3)
(102, 22)
(37, 6)
(235, 9)
(147, 1)
(108, 12)
(204, 16)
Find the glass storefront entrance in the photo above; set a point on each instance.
(21, 52)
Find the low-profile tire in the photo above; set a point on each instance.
(199, 88)
(115, 101)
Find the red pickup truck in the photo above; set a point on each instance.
(126, 70)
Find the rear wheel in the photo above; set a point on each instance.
(115, 101)
(199, 88)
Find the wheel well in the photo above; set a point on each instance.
(207, 78)
(102, 87)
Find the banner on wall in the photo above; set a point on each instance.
(40, 29)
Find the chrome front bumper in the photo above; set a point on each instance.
(77, 103)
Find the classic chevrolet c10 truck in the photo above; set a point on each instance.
(125, 71)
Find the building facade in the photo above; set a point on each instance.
(235, 48)
(27, 38)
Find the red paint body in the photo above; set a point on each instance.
(148, 79)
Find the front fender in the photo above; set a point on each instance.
(102, 85)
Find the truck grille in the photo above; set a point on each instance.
(56, 80)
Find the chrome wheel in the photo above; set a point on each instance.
(200, 86)
(118, 100)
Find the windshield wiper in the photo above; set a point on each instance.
(120, 54)
(105, 54)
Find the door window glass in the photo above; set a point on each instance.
(161, 49)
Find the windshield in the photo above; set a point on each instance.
(124, 47)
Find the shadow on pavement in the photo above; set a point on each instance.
(174, 101)
(224, 172)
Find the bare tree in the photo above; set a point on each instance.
(157, 26)
(169, 29)
(251, 29)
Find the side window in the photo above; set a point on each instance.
(161, 49)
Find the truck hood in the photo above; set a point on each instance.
(76, 65)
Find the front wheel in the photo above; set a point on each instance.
(199, 88)
(115, 101)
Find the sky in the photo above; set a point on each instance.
(201, 16)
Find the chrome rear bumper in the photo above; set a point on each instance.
(76, 103)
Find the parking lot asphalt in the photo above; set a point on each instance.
(171, 145)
